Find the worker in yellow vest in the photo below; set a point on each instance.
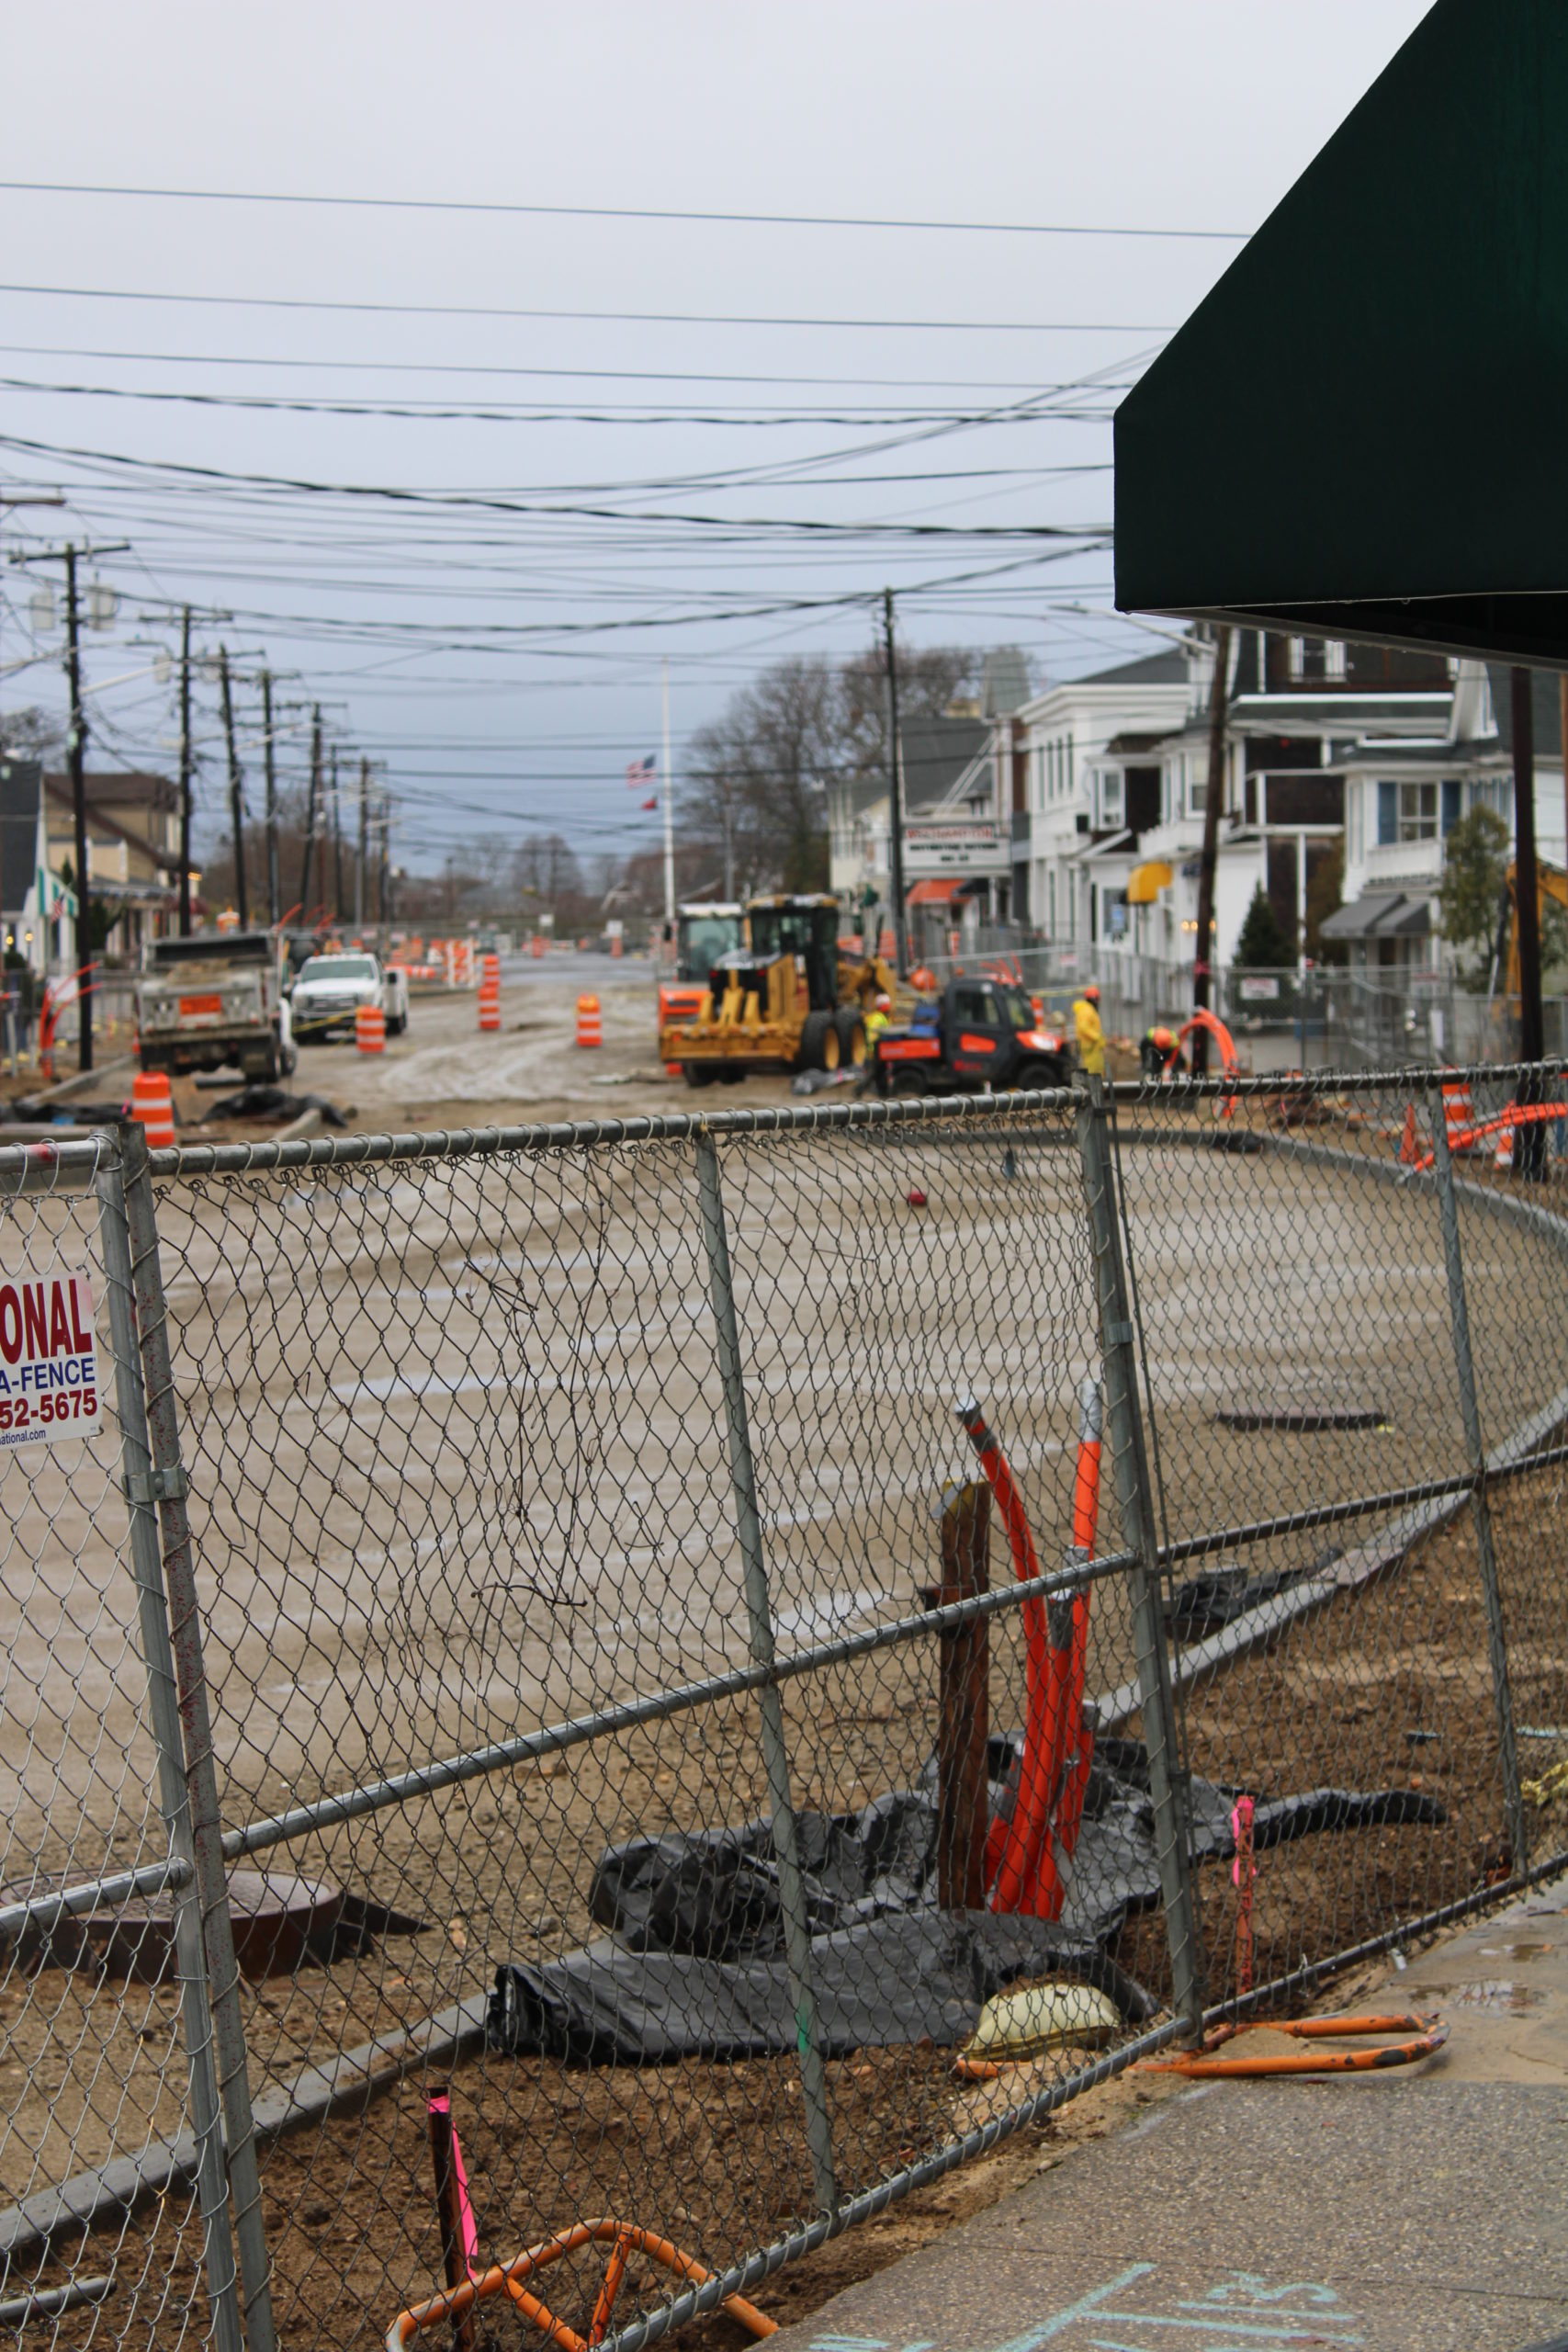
(876, 1021)
(1091, 1036)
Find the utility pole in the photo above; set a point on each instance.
(310, 815)
(185, 774)
(1529, 1142)
(78, 749)
(895, 802)
(236, 793)
(669, 816)
(359, 890)
(273, 888)
(729, 840)
(337, 848)
(1214, 792)
(384, 867)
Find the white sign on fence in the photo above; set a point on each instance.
(1259, 989)
(48, 1371)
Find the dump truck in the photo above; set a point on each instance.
(784, 1000)
(705, 929)
(213, 999)
(979, 1034)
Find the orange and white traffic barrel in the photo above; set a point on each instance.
(152, 1102)
(590, 1030)
(1459, 1116)
(490, 994)
(370, 1029)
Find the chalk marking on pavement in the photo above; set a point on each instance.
(1080, 2310)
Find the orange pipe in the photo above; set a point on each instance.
(1018, 1857)
(1085, 1527)
(1518, 1114)
(508, 2279)
(1430, 2033)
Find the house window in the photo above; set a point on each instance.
(1452, 793)
(1355, 821)
(1333, 660)
(1111, 796)
(1051, 903)
(1417, 812)
(1197, 794)
(1388, 813)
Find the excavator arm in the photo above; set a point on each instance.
(1551, 885)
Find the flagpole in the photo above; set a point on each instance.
(669, 813)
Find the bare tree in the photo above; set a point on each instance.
(760, 776)
(929, 681)
(33, 734)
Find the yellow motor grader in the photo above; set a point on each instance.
(784, 1001)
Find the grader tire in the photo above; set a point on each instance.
(851, 1027)
(698, 1073)
(819, 1043)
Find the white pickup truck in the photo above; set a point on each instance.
(212, 1000)
(330, 991)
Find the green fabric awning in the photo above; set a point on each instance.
(1363, 432)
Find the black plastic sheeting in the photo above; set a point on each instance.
(692, 1962)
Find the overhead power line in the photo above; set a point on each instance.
(621, 212)
(490, 503)
(609, 318)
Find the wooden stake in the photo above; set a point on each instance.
(963, 1794)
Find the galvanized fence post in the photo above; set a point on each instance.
(1134, 1500)
(1481, 1509)
(162, 1707)
(201, 1779)
(775, 1754)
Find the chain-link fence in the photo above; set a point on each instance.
(619, 1641)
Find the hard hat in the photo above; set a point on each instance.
(883, 1004)
(1091, 994)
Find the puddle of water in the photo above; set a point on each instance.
(1497, 1994)
(1515, 1951)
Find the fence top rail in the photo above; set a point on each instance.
(72, 1165)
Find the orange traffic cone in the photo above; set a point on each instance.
(370, 1029)
(1505, 1154)
(1408, 1154)
(590, 1028)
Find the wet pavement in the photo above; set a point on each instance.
(1424, 2209)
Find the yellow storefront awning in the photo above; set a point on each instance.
(1146, 882)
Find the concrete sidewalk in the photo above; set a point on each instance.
(1420, 2209)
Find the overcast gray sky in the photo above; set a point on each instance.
(740, 379)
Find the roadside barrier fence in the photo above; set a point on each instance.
(709, 1671)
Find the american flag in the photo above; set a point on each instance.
(642, 773)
